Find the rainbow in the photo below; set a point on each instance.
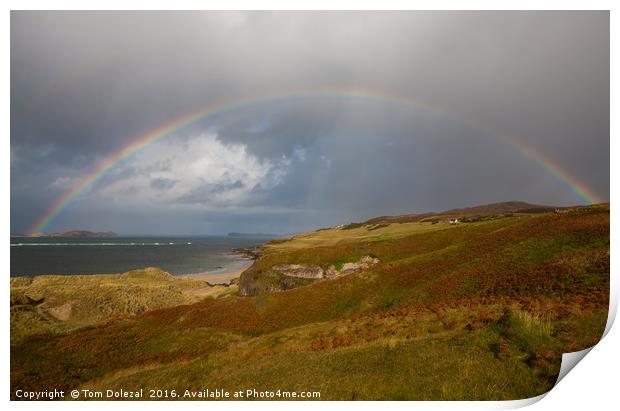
(169, 128)
(557, 171)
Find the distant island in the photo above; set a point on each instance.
(253, 235)
(76, 233)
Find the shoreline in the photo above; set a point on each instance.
(216, 276)
(221, 276)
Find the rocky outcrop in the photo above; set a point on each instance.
(299, 270)
(350, 268)
(280, 277)
(251, 283)
(316, 272)
(61, 312)
(251, 253)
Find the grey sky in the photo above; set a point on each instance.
(86, 84)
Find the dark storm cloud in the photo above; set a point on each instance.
(85, 84)
(202, 193)
(278, 128)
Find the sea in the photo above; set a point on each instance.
(177, 255)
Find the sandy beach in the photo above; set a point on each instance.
(222, 277)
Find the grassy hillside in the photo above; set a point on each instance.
(51, 304)
(495, 209)
(479, 310)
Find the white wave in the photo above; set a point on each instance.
(86, 244)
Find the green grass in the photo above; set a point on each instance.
(423, 360)
(399, 371)
(351, 234)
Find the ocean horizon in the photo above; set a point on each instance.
(179, 255)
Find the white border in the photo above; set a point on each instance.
(591, 385)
